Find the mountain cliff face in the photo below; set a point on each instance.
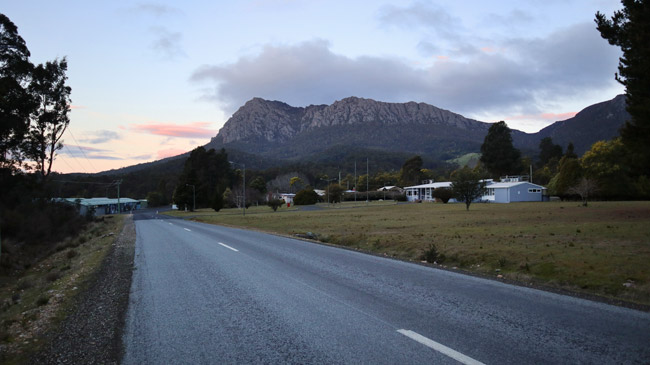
(281, 131)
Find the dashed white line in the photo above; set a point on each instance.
(464, 359)
(226, 246)
(189, 230)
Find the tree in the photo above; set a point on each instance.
(444, 194)
(499, 156)
(569, 175)
(50, 120)
(334, 192)
(585, 188)
(411, 171)
(294, 182)
(629, 30)
(275, 204)
(217, 200)
(258, 184)
(16, 103)
(467, 185)
(548, 151)
(305, 197)
(606, 163)
(154, 199)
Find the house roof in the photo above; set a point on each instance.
(506, 185)
(99, 201)
(442, 184)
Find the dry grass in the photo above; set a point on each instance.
(603, 249)
(33, 303)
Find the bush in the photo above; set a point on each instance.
(306, 197)
(71, 254)
(444, 194)
(275, 204)
(42, 301)
(430, 254)
(53, 276)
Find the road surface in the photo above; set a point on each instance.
(210, 294)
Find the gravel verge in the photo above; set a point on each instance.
(92, 332)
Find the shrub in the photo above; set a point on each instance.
(430, 254)
(306, 197)
(53, 276)
(42, 300)
(275, 204)
(444, 194)
(71, 254)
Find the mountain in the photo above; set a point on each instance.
(265, 133)
(282, 132)
(594, 123)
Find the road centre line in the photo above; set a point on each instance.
(464, 359)
(189, 230)
(228, 247)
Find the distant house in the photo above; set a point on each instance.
(395, 189)
(509, 192)
(495, 192)
(101, 206)
(287, 197)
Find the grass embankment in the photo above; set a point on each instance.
(602, 249)
(35, 301)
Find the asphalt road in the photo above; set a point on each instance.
(210, 294)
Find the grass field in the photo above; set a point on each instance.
(35, 301)
(602, 249)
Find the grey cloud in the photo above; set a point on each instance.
(167, 43)
(523, 78)
(101, 136)
(157, 10)
(420, 14)
(87, 152)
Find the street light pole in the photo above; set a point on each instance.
(193, 196)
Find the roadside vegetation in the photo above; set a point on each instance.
(33, 301)
(602, 249)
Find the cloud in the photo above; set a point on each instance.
(157, 10)
(169, 153)
(90, 153)
(191, 130)
(101, 136)
(550, 117)
(167, 43)
(140, 157)
(430, 17)
(521, 76)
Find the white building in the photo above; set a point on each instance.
(499, 192)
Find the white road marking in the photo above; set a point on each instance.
(187, 229)
(170, 224)
(226, 246)
(440, 348)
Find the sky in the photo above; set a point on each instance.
(155, 79)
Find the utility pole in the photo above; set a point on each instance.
(355, 181)
(367, 182)
(119, 208)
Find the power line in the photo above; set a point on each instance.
(80, 149)
(75, 158)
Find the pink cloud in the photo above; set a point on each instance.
(77, 107)
(169, 152)
(546, 116)
(191, 130)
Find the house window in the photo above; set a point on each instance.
(489, 192)
(534, 190)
